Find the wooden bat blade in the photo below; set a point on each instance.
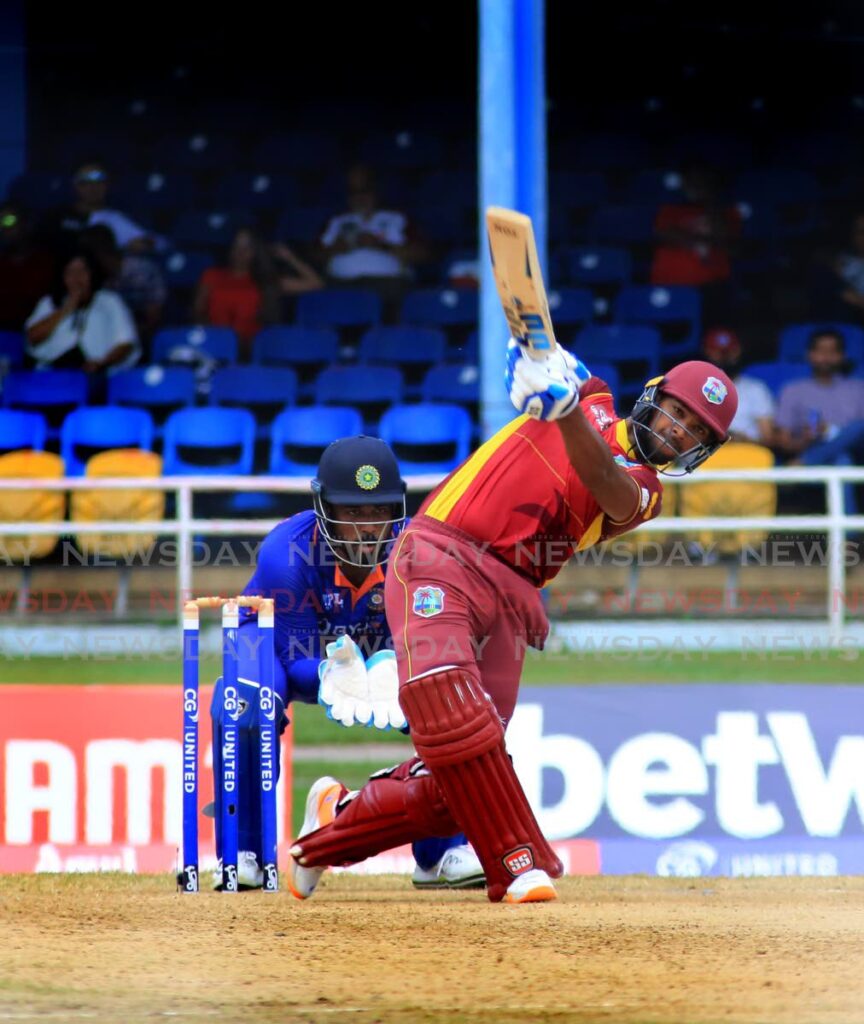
(519, 279)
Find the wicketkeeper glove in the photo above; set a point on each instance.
(547, 388)
(344, 684)
(384, 691)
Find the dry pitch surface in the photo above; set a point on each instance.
(126, 949)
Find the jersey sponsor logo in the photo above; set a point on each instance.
(428, 601)
(715, 391)
(519, 861)
(367, 477)
(601, 417)
(332, 601)
(622, 460)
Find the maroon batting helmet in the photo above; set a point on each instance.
(706, 391)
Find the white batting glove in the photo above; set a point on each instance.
(344, 685)
(384, 691)
(547, 388)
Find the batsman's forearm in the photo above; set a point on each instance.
(614, 490)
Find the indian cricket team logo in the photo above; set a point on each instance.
(367, 477)
(715, 391)
(428, 601)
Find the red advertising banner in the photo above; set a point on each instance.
(91, 779)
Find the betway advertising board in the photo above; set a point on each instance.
(671, 780)
(699, 780)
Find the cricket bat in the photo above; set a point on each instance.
(519, 280)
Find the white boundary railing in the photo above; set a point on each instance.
(835, 523)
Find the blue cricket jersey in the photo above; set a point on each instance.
(314, 602)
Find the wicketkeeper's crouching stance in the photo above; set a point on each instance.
(462, 599)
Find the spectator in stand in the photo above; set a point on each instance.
(754, 420)
(91, 183)
(838, 281)
(136, 279)
(81, 324)
(370, 246)
(820, 420)
(246, 293)
(695, 239)
(25, 269)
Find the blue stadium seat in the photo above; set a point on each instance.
(452, 383)
(193, 151)
(441, 307)
(299, 436)
(795, 337)
(40, 190)
(160, 389)
(303, 223)
(427, 438)
(209, 441)
(213, 228)
(575, 189)
(456, 186)
(406, 150)
(296, 150)
(654, 186)
(635, 352)
(218, 342)
(412, 349)
(263, 390)
(183, 267)
(93, 429)
(776, 375)
(256, 191)
(609, 373)
(11, 350)
(22, 430)
(52, 392)
(571, 306)
(154, 190)
(596, 264)
(622, 224)
(778, 185)
(295, 346)
(675, 310)
(338, 307)
(370, 388)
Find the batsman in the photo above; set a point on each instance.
(463, 600)
(325, 570)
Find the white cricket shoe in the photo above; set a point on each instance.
(459, 868)
(249, 874)
(534, 886)
(320, 810)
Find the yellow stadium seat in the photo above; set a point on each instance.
(730, 498)
(132, 504)
(30, 505)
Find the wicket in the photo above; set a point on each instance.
(267, 745)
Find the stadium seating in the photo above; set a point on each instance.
(370, 388)
(593, 265)
(209, 441)
(92, 429)
(30, 505)
(777, 375)
(571, 307)
(218, 342)
(182, 268)
(154, 191)
(675, 310)
(52, 392)
(412, 349)
(609, 373)
(622, 224)
(263, 390)
(192, 151)
(452, 383)
(338, 307)
(20, 430)
(256, 191)
(299, 436)
(295, 150)
(206, 228)
(159, 389)
(427, 438)
(11, 351)
(634, 351)
(441, 307)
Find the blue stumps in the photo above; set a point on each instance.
(189, 875)
(230, 713)
(268, 749)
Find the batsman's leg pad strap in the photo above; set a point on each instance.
(458, 734)
(396, 806)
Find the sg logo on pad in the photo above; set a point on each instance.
(428, 601)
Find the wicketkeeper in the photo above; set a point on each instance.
(462, 598)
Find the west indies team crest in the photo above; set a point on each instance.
(428, 601)
(367, 477)
(715, 391)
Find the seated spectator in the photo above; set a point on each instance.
(245, 294)
(136, 279)
(754, 420)
(695, 240)
(820, 420)
(368, 245)
(91, 183)
(25, 269)
(80, 324)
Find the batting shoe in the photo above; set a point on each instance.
(249, 873)
(534, 886)
(459, 868)
(320, 810)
